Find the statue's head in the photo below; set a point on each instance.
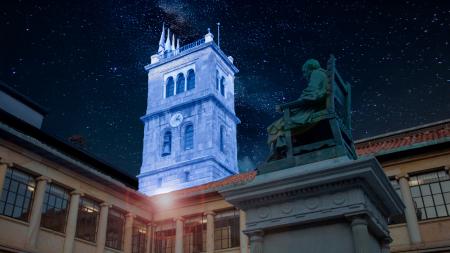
(309, 66)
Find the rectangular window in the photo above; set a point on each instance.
(139, 237)
(55, 207)
(431, 194)
(165, 237)
(194, 236)
(17, 194)
(114, 231)
(87, 222)
(226, 232)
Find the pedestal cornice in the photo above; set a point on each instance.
(331, 189)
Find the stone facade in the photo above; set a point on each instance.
(207, 107)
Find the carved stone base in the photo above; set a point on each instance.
(336, 205)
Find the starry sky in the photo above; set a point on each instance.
(84, 61)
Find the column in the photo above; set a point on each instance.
(102, 226)
(3, 170)
(154, 238)
(210, 231)
(179, 235)
(71, 225)
(361, 237)
(150, 235)
(36, 212)
(243, 237)
(128, 236)
(256, 241)
(410, 211)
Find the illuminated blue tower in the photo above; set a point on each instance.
(190, 123)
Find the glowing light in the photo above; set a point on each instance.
(164, 190)
(164, 200)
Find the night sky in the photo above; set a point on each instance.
(84, 61)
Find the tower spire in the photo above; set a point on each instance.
(167, 45)
(218, 34)
(161, 41)
(173, 42)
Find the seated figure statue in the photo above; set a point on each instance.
(305, 113)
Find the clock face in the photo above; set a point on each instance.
(176, 119)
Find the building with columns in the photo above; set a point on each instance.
(57, 198)
(417, 161)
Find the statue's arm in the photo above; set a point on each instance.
(313, 92)
(315, 89)
(296, 103)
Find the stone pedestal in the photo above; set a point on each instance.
(336, 205)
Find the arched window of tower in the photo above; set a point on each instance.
(222, 86)
(189, 137)
(190, 79)
(217, 79)
(180, 83)
(167, 143)
(222, 138)
(169, 87)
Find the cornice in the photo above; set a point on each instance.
(179, 106)
(193, 50)
(316, 178)
(185, 163)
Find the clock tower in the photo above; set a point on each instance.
(190, 123)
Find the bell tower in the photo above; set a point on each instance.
(190, 122)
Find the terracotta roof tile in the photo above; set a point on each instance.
(231, 180)
(404, 138)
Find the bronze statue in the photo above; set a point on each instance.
(309, 107)
(316, 126)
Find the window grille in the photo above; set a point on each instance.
(226, 230)
(194, 236)
(17, 194)
(431, 194)
(87, 222)
(165, 237)
(55, 208)
(114, 231)
(139, 237)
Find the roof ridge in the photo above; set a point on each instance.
(400, 133)
(424, 135)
